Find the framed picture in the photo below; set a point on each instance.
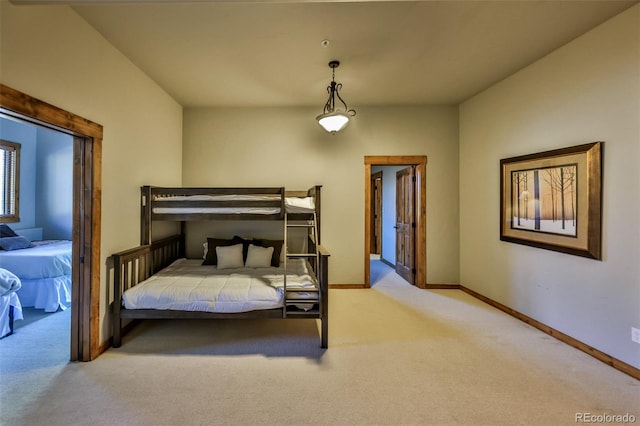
(553, 200)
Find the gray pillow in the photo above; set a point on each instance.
(15, 243)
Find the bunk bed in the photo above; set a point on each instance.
(236, 277)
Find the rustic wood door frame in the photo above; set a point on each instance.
(420, 162)
(87, 166)
(376, 209)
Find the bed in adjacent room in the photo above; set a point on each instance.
(44, 269)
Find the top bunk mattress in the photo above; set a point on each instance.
(292, 204)
(187, 285)
(48, 259)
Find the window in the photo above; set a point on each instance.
(9, 181)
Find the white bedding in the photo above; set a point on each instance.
(292, 204)
(49, 294)
(44, 272)
(217, 210)
(46, 260)
(9, 282)
(187, 285)
(300, 205)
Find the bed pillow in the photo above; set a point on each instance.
(277, 248)
(258, 257)
(6, 231)
(245, 245)
(229, 256)
(211, 256)
(15, 243)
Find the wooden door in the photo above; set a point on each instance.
(376, 212)
(405, 224)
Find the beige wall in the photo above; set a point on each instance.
(52, 54)
(586, 91)
(286, 147)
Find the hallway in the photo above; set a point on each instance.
(384, 275)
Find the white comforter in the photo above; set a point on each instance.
(50, 259)
(187, 285)
(9, 282)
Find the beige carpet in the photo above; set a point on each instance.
(397, 356)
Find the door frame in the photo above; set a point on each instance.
(87, 188)
(420, 163)
(376, 203)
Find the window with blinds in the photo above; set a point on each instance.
(9, 181)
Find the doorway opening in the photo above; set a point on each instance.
(410, 233)
(87, 150)
(43, 183)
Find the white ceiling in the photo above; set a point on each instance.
(269, 53)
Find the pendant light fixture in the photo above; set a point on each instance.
(334, 119)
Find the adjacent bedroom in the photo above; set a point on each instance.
(35, 242)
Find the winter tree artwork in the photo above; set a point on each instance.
(552, 200)
(545, 199)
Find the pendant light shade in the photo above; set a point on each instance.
(334, 119)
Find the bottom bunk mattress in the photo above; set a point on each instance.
(187, 285)
(10, 311)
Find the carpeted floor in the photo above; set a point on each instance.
(397, 356)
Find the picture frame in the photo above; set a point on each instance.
(553, 200)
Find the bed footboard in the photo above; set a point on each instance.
(136, 265)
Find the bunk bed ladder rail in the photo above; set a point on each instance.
(313, 253)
